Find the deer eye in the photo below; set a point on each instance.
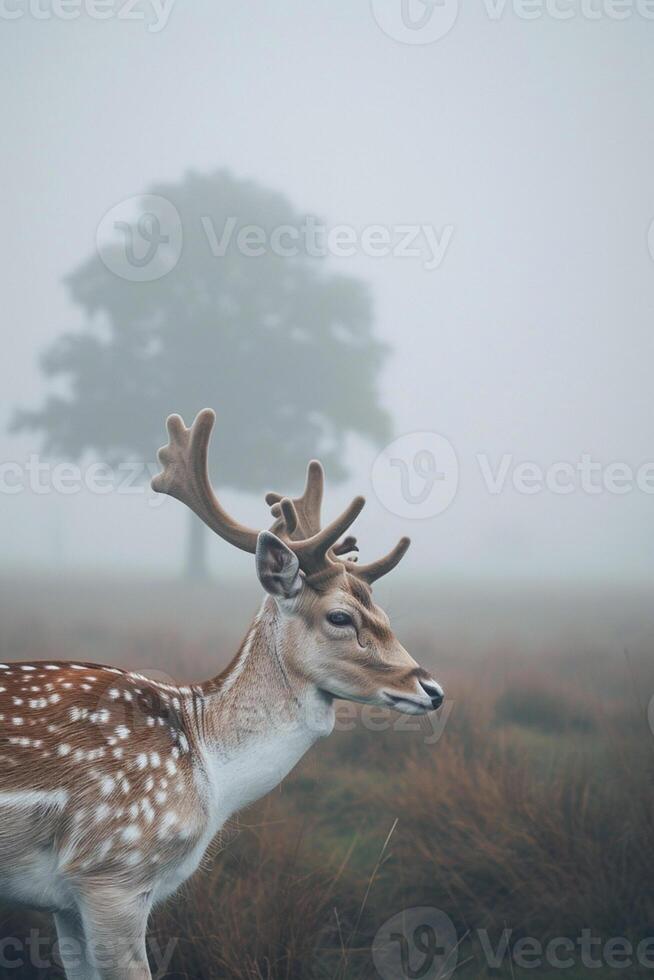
(339, 618)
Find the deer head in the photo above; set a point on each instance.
(336, 637)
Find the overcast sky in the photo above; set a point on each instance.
(525, 145)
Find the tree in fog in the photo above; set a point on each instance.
(253, 326)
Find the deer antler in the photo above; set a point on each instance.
(375, 569)
(185, 476)
(303, 518)
(300, 517)
(307, 507)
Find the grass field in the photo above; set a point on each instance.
(523, 816)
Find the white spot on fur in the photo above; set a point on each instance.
(148, 812)
(169, 819)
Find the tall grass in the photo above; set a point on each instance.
(532, 812)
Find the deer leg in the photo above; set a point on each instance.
(73, 950)
(115, 924)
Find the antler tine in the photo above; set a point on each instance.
(346, 546)
(313, 491)
(289, 513)
(307, 506)
(185, 476)
(312, 552)
(375, 569)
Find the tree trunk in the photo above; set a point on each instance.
(197, 569)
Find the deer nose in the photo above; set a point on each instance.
(434, 691)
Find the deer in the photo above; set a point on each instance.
(114, 784)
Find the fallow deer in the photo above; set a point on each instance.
(113, 785)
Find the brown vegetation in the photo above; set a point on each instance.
(531, 812)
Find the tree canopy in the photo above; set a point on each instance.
(281, 347)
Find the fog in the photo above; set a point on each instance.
(521, 332)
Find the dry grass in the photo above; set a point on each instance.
(533, 812)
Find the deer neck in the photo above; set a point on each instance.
(260, 716)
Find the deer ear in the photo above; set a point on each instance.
(277, 567)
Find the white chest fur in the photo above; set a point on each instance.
(238, 774)
(231, 777)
